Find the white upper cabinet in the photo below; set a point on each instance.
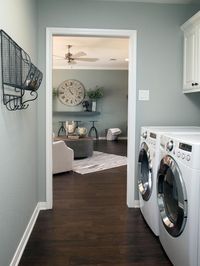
(191, 62)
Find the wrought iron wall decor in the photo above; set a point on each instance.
(20, 78)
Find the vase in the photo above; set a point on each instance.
(82, 131)
(94, 106)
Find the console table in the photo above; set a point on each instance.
(76, 113)
(83, 147)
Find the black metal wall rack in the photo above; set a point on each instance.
(20, 78)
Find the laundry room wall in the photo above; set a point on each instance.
(159, 57)
(18, 137)
(112, 107)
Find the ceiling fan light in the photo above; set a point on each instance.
(72, 62)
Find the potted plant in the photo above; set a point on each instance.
(95, 94)
(54, 92)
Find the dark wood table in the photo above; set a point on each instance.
(83, 147)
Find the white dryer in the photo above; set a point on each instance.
(178, 194)
(148, 162)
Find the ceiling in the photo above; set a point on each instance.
(110, 52)
(159, 1)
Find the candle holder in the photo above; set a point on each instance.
(62, 130)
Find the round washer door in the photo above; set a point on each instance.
(145, 182)
(172, 198)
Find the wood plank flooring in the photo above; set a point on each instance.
(90, 223)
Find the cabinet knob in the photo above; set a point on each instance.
(192, 84)
(196, 84)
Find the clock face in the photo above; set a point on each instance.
(71, 92)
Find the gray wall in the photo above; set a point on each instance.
(159, 56)
(18, 182)
(112, 107)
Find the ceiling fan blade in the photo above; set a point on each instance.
(78, 54)
(58, 56)
(58, 59)
(87, 59)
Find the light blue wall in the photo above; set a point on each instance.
(18, 166)
(112, 107)
(159, 56)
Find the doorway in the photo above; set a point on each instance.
(132, 36)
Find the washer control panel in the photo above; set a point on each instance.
(152, 140)
(182, 155)
(170, 145)
(181, 151)
(185, 147)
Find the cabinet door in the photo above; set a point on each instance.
(198, 57)
(189, 59)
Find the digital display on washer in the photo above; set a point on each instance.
(185, 147)
(152, 135)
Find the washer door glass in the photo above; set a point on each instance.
(144, 172)
(172, 198)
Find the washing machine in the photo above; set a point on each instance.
(147, 193)
(178, 195)
(148, 162)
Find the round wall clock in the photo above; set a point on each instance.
(71, 92)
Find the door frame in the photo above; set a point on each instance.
(132, 36)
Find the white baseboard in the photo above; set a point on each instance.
(136, 204)
(43, 205)
(22, 244)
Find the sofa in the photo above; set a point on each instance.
(63, 157)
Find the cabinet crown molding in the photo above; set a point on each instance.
(192, 21)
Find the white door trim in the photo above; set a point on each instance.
(132, 35)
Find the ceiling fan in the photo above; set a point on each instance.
(72, 58)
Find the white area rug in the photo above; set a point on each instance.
(98, 162)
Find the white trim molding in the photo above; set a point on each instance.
(132, 36)
(88, 68)
(131, 120)
(49, 133)
(136, 204)
(22, 244)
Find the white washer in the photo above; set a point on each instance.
(148, 162)
(178, 181)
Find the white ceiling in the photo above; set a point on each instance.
(105, 49)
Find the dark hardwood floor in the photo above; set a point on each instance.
(90, 223)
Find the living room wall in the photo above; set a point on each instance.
(112, 107)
